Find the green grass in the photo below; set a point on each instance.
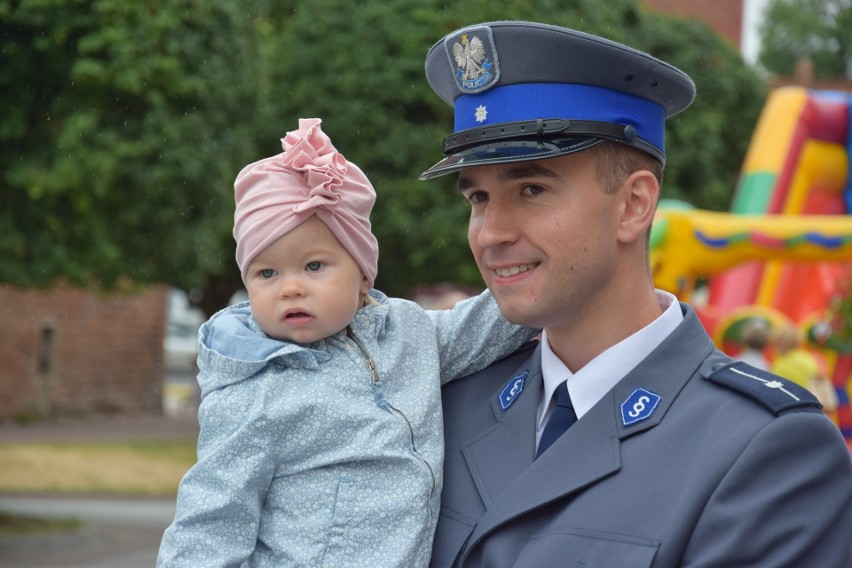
(21, 525)
(130, 468)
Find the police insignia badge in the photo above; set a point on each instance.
(474, 58)
(512, 389)
(639, 405)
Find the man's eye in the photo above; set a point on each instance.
(267, 273)
(477, 197)
(533, 189)
(313, 266)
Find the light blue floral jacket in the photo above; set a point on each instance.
(328, 454)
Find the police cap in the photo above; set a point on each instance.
(528, 91)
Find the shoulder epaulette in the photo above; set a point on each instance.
(775, 393)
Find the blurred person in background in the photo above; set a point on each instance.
(756, 339)
(795, 362)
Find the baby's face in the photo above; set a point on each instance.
(305, 286)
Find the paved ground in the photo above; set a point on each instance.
(118, 533)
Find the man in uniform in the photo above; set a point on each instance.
(624, 438)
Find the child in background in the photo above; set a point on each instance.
(756, 339)
(321, 438)
(795, 362)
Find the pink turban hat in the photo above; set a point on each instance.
(275, 195)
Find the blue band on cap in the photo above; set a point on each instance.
(530, 101)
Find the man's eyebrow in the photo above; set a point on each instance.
(527, 171)
(464, 183)
(513, 173)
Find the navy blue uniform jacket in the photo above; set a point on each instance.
(729, 470)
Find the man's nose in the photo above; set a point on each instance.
(496, 226)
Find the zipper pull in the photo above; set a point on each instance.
(370, 363)
(373, 370)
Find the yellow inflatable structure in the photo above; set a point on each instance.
(695, 244)
(784, 252)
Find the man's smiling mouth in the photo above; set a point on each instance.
(512, 270)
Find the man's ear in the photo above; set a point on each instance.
(640, 193)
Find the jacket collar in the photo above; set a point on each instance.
(232, 346)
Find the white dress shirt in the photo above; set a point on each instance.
(588, 385)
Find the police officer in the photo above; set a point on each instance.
(624, 438)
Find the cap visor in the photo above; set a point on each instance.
(508, 152)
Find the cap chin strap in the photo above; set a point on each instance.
(540, 128)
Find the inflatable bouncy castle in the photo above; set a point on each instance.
(784, 252)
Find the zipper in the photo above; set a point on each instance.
(413, 446)
(374, 372)
(382, 401)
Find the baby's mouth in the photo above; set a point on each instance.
(297, 316)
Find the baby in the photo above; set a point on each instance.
(321, 438)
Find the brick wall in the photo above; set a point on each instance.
(67, 351)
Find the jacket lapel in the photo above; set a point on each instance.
(499, 455)
(586, 453)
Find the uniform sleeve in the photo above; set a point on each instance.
(787, 501)
(220, 498)
(474, 334)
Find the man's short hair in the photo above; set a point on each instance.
(616, 162)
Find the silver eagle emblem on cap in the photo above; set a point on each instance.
(474, 68)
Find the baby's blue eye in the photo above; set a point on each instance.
(267, 273)
(313, 266)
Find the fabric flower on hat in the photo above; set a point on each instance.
(277, 194)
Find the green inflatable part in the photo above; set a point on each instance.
(754, 193)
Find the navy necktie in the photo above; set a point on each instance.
(563, 417)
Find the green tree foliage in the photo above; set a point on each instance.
(368, 62)
(706, 144)
(819, 30)
(128, 122)
(119, 137)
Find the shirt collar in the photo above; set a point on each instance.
(588, 385)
